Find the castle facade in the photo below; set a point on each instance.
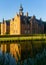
(22, 24)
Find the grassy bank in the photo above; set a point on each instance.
(23, 37)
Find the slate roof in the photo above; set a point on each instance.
(25, 19)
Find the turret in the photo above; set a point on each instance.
(21, 10)
(3, 20)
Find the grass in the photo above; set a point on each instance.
(23, 37)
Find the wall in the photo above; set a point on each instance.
(3, 28)
(15, 26)
(11, 27)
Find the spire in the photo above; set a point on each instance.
(21, 10)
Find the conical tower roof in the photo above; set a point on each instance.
(21, 8)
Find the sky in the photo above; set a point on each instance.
(9, 8)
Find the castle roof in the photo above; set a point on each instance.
(26, 20)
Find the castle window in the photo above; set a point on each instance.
(25, 21)
(28, 31)
(25, 31)
(28, 26)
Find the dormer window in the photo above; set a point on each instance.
(25, 21)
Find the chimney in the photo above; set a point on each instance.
(27, 14)
(33, 17)
(40, 19)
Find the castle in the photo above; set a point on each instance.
(22, 24)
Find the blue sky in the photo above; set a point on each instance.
(8, 8)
